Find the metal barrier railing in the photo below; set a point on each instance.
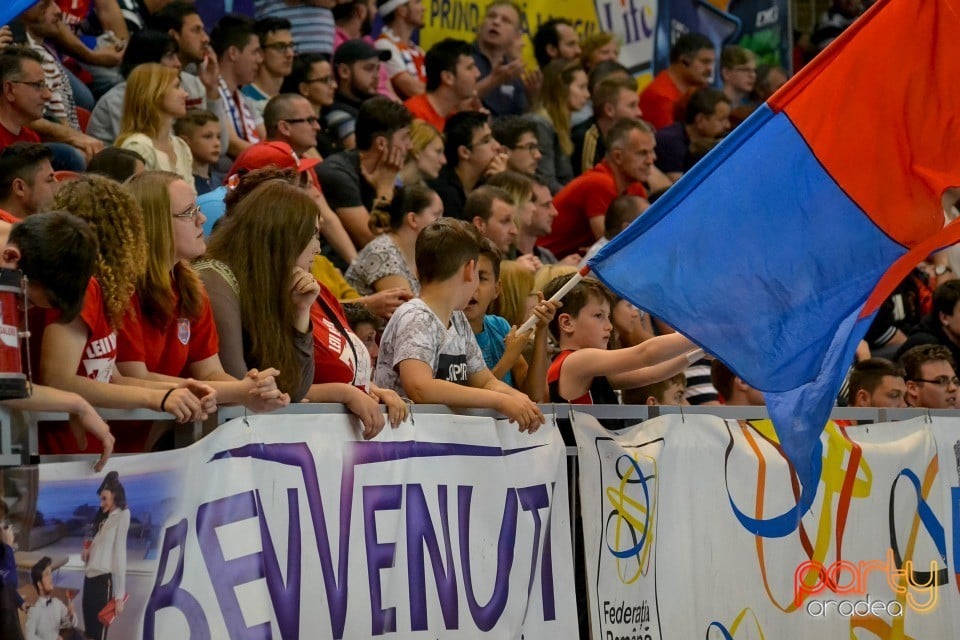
(19, 439)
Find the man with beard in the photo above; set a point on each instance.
(354, 19)
(356, 64)
(451, 80)
(27, 183)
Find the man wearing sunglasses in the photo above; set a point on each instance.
(931, 378)
(290, 118)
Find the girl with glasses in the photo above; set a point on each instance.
(169, 333)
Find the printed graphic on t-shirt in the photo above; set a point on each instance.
(99, 358)
(452, 368)
(183, 331)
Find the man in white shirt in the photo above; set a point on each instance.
(48, 615)
(405, 67)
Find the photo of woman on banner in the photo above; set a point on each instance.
(106, 556)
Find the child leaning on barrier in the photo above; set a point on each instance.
(502, 348)
(428, 351)
(585, 371)
(40, 246)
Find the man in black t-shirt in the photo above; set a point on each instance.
(352, 181)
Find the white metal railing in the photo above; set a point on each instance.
(19, 440)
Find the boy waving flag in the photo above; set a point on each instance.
(775, 251)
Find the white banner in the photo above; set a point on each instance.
(292, 527)
(677, 512)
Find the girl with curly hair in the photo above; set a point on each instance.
(169, 333)
(153, 100)
(564, 91)
(79, 355)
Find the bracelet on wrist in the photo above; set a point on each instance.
(165, 396)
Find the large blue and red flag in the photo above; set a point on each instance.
(775, 251)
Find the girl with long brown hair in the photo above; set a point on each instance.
(564, 91)
(260, 287)
(169, 332)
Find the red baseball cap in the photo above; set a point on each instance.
(274, 152)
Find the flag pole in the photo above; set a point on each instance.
(692, 356)
(564, 290)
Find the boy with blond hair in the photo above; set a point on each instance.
(428, 352)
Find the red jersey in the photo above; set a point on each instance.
(96, 362)
(421, 108)
(168, 350)
(100, 352)
(335, 360)
(658, 99)
(587, 196)
(7, 138)
(600, 391)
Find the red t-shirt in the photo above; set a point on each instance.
(7, 138)
(96, 362)
(421, 108)
(172, 349)
(658, 99)
(334, 360)
(587, 196)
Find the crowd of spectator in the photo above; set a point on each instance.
(282, 209)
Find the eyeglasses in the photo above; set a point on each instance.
(310, 120)
(321, 80)
(190, 213)
(941, 381)
(281, 46)
(530, 146)
(39, 86)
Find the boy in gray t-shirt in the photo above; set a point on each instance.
(428, 352)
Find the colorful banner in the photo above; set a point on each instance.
(291, 526)
(676, 545)
(645, 28)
